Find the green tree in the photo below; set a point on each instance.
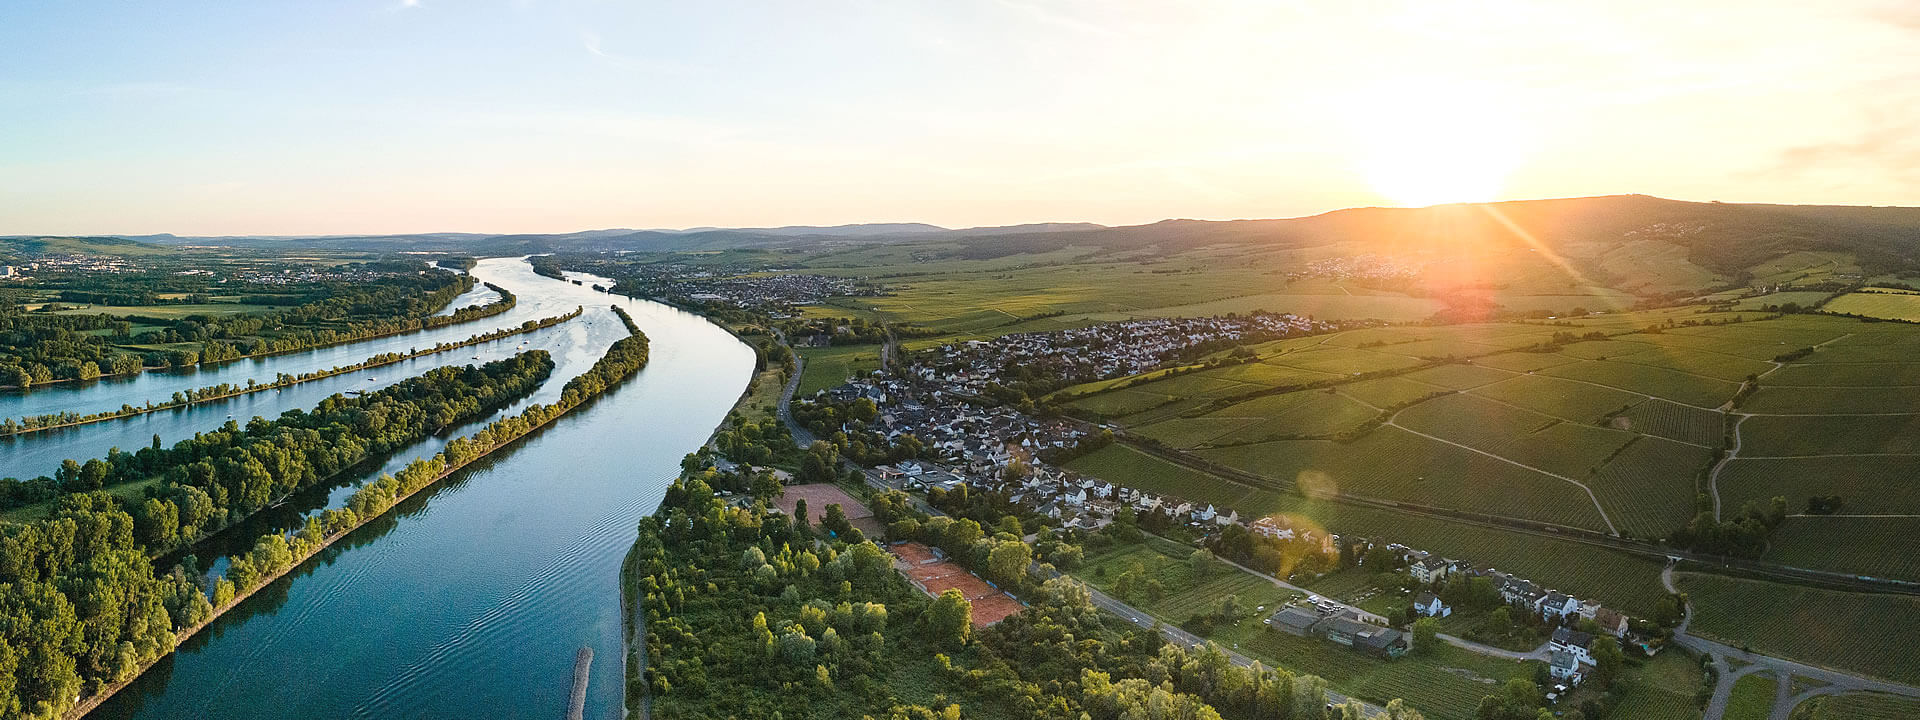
(950, 619)
(1426, 636)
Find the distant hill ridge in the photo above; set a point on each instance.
(1723, 237)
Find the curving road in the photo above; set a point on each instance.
(1782, 669)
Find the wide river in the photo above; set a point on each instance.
(471, 599)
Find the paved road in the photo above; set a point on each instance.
(1140, 618)
(1539, 653)
(1782, 669)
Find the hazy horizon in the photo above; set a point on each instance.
(410, 116)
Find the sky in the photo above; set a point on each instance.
(363, 116)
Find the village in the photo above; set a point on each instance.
(1097, 352)
(1000, 450)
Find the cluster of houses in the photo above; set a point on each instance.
(1097, 352)
(1357, 267)
(772, 292)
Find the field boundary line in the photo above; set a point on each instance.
(1611, 530)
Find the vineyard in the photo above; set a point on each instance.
(1873, 546)
(1866, 485)
(1445, 686)
(1852, 632)
(1648, 489)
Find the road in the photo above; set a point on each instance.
(1647, 549)
(1539, 653)
(1782, 669)
(1142, 619)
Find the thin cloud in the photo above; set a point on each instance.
(1050, 17)
(594, 46)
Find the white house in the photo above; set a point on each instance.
(1430, 605)
(1577, 644)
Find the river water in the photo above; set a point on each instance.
(470, 599)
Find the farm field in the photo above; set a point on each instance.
(1867, 485)
(1886, 305)
(169, 312)
(1859, 706)
(1873, 546)
(1661, 688)
(1564, 399)
(1447, 685)
(1186, 593)
(1389, 391)
(1803, 298)
(1674, 421)
(830, 366)
(1785, 436)
(1296, 414)
(1806, 266)
(1629, 583)
(1659, 382)
(1626, 582)
(1522, 436)
(1126, 466)
(1391, 463)
(1818, 627)
(1649, 488)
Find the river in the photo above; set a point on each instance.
(470, 599)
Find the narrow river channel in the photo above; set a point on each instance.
(470, 600)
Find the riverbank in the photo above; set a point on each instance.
(9, 429)
(371, 496)
(507, 302)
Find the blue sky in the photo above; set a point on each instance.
(533, 115)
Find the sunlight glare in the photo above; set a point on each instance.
(1428, 143)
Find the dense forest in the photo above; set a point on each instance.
(38, 348)
(752, 614)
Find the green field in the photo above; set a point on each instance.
(1663, 687)
(1872, 546)
(1859, 706)
(1128, 467)
(169, 312)
(831, 366)
(1449, 684)
(1186, 593)
(1819, 627)
(1887, 305)
(1752, 697)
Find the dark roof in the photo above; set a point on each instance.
(1377, 637)
(1562, 659)
(1570, 636)
(1296, 617)
(1425, 598)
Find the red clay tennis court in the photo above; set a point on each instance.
(938, 576)
(819, 496)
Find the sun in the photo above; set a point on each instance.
(1429, 144)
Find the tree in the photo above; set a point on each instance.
(835, 520)
(950, 619)
(1607, 660)
(1201, 561)
(1426, 635)
(1008, 561)
(800, 512)
(1230, 608)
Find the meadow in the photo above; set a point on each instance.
(831, 366)
(1447, 684)
(1752, 697)
(1886, 305)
